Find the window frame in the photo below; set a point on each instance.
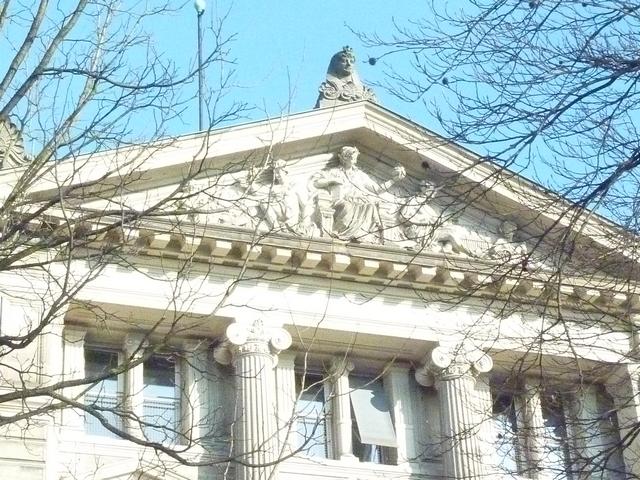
(174, 433)
(327, 415)
(90, 421)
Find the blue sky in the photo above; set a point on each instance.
(282, 48)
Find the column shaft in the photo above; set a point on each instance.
(253, 350)
(256, 430)
(461, 455)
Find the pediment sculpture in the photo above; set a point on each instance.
(346, 203)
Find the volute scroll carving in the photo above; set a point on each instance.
(256, 338)
(445, 363)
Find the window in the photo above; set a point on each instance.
(161, 399)
(312, 417)
(506, 447)
(159, 395)
(565, 435)
(373, 438)
(105, 397)
(555, 442)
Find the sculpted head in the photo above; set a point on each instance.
(508, 229)
(279, 171)
(342, 63)
(348, 156)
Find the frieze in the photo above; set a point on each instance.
(346, 203)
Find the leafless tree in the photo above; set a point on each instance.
(78, 79)
(546, 89)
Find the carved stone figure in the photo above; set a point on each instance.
(283, 206)
(354, 198)
(419, 219)
(342, 84)
(224, 201)
(11, 146)
(505, 248)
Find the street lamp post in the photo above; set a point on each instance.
(200, 6)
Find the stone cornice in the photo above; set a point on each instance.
(376, 265)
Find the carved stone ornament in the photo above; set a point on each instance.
(345, 202)
(342, 84)
(447, 362)
(11, 146)
(251, 339)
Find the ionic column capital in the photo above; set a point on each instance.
(340, 366)
(254, 339)
(447, 363)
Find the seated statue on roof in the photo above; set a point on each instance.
(342, 84)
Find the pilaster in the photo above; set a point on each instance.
(453, 371)
(534, 427)
(133, 348)
(286, 398)
(341, 408)
(396, 383)
(194, 392)
(484, 414)
(624, 388)
(73, 361)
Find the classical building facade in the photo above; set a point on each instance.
(338, 294)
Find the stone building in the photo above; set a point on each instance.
(338, 294)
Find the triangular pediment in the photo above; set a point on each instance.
(410, 190)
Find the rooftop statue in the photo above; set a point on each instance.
(11, 146)
(342, 84)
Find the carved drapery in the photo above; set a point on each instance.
(453, 371)
(253, 351)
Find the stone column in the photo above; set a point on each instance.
(253, 351)
(341, 409)
(133, 348)
(453, 372)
